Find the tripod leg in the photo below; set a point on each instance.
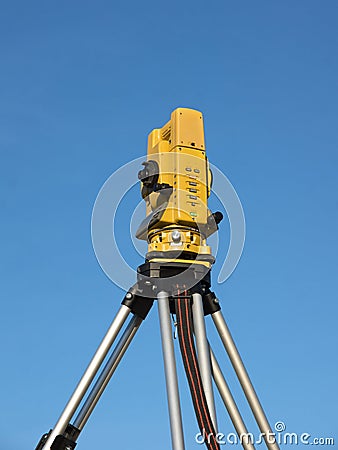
(88, 376)
(107, 373)
(203, 354)
(245, 381)
(175, 417)
(230, 404)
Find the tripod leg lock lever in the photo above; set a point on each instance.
(66, 441)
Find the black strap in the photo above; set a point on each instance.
(187, 346)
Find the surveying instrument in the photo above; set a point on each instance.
(176, 183)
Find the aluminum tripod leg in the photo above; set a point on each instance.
(230, 404)
(175, 417)
(107, 373)
(203, 354)
(88, 376)
(245, 381)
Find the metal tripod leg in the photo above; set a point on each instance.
(88, 376)
(107, 373)
(245, 381)
(175, 417)
(203, 354)
(230, 404)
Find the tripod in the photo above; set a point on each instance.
(171, 299)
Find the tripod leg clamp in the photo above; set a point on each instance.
(63, 443)
(210, 303)
(140, 306)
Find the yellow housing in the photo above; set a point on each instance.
(178, 201)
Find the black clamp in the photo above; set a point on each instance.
(139, 304)
(210, 303)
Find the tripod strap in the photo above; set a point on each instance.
(189, 356)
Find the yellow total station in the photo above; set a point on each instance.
(175, 184)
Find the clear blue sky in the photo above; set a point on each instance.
(81, 85)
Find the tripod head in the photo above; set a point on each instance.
(176, 183)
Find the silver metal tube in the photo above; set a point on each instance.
(88, 376)
(177, 438)
(245, 381)
(107, 373)
(203, 354)
(230, 404)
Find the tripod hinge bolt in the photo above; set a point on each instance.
(129, 295)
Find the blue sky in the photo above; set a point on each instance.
(81, 86)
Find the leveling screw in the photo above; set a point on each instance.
(176, 236)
